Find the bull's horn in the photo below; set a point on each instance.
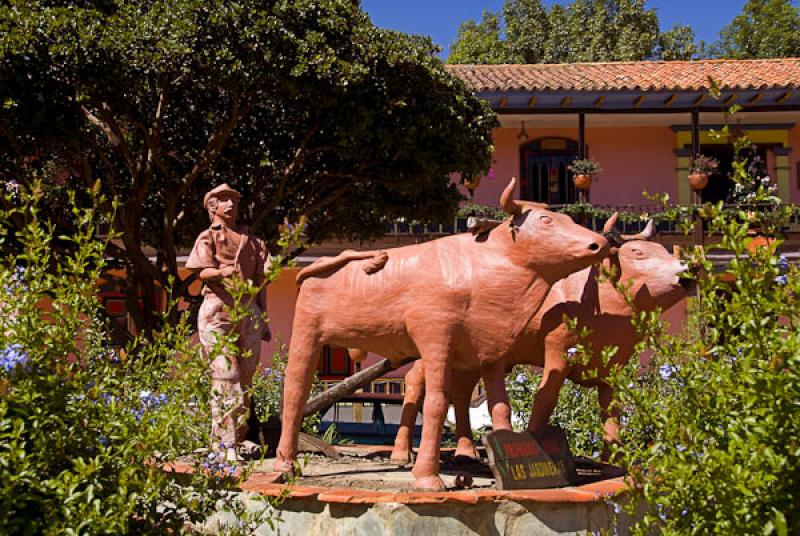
(506, 199)
(646, 233)
(611, 223)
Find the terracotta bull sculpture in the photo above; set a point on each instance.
(458, 302)
(655, 281)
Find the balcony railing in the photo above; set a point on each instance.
(632, 219)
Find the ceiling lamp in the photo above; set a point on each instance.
(522, 136)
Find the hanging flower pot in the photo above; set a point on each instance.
(582, 182)
(701, 167)
(583, 171)
(698, 180)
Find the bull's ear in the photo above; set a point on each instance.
(611, 223)
(507, 199)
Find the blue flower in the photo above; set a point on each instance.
(572, 351)
(521, 379)
(782, 280)
(783, 263)
(666, 371)
(103, 440)
(12, 357)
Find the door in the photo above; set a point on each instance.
(545, 177)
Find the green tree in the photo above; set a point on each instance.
(559, 42)
(764, 29)
(677, 43)
(634, 32)
(304, 106)
(479, 42)
(527, 30)
(581, 31)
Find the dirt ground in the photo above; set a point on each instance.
(374, 472)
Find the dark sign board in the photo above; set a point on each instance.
(520, 460)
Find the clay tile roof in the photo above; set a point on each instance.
(635, 75)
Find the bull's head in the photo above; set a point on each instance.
(655, 277)
(549, 242)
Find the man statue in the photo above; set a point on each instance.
(223, 251)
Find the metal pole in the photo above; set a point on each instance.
(581, 148)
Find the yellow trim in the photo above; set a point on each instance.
(783, 177)
(532, 102)
(684, 137)
(684, 192)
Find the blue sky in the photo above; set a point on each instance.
(440, 18)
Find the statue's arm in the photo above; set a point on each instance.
(201, 260)
(216, 274)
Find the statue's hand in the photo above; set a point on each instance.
(227, 271)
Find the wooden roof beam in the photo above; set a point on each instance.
(502, 103)
(699, 100)
(565, 101)
(599, 101)
(729, 99)
(757, 97)
(786, 96)
(670, 100)
(638, 102)
(532, 102)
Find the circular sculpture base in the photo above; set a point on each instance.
(363, 493)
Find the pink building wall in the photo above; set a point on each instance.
(633, 159)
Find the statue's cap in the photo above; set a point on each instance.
(221, 189)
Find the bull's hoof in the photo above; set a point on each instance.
(401, 458)
(429, 483)
(287, 467)
(466, 452)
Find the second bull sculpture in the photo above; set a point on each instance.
(654, 278)
(458, 302)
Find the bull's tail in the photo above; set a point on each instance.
(327, 265)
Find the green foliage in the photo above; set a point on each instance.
(479, 42)
(677, 43)
(85, 427)
(713, 446)
(527, 31)
(581, 31)
(577, 410)
(584, 166)
(764, 29)
(305, 107)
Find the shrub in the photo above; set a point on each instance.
(85, 427)
(713, 446)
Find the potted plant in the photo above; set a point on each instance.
(701, 167)
(582, 172)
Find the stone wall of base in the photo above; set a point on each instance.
(311, 517)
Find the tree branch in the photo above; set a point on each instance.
(113, 132)
(216, 143)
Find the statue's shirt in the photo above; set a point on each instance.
(219, 246)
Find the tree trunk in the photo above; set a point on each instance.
(351, 384)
